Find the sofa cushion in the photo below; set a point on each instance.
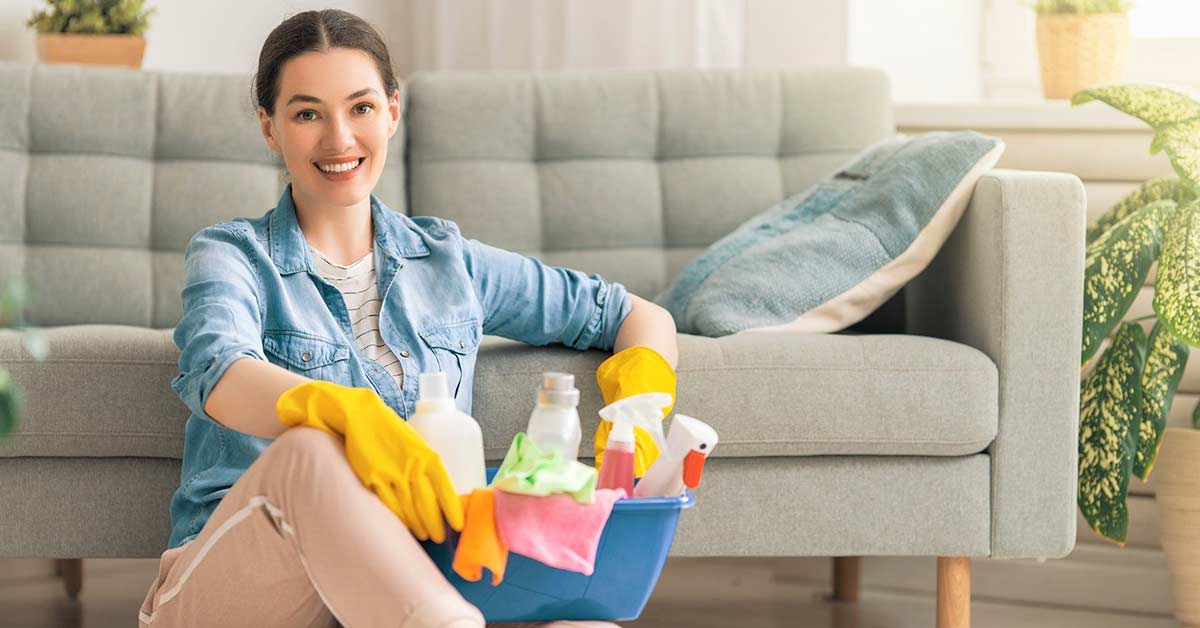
(104, 390)
(780, 394)
(824, 259)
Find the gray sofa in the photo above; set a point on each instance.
(954, 435)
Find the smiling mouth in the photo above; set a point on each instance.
(360, 162)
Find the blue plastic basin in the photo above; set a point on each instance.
(629, 559)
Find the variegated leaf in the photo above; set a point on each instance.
(1182, 143)
(1150, 191)
(1177, 286)
(1157, 105)
(1116, 267)
(1109, 409)
(1173, 112)
(1166, 357)
(10, 403)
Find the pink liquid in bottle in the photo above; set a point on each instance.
(617, 469)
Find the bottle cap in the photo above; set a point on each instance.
(558, 389)
(434, 390)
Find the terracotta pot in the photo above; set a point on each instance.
(1178, 497)
(1079, 50)
(119, 50)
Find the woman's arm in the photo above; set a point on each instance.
(244, 398)
(650, 325)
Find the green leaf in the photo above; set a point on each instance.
(1166, 358)
(1196, 416)
(1110, 408)
(1116, 267)
(1177, 286)
(1150, 191)
(1174, 114)
(10, 403)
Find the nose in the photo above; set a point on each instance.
(339, 135)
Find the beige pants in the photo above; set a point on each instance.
(299, 541)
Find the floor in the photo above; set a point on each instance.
(692, 593)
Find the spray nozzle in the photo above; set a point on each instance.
(644, 410)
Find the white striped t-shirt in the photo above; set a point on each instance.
(361, 293)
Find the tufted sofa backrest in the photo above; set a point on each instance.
(106, 173)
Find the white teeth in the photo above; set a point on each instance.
(349, 165)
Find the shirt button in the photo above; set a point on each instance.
(306, 356)
(461, 344)
(404, 354)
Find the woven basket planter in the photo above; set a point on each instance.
(1079, 50)
(118, 50)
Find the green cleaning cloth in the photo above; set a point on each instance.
(527, 470)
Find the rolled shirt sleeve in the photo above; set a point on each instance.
(527, 300)
(221, 320)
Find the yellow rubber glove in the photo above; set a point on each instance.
(629, 372)
(386, 453)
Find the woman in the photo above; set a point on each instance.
(302, 495)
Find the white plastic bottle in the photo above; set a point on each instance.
(454, 435)
(554, 424)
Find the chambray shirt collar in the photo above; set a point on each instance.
(289, 250)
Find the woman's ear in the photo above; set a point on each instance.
(395, 109)
(268, 129)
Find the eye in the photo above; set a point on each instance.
(368, 105)
(301, 114)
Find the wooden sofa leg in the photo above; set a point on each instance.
(953, 592)
(71, 570)
(847, 578)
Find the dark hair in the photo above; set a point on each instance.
(317, 31)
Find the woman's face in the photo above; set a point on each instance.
(331, 110)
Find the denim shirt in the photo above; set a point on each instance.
(251, 291)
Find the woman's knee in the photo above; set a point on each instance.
(311, 445)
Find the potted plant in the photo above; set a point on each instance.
(1126, 398)
(13, 299)
(1081, 43)
(97, 32)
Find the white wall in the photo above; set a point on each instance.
(931, 49)
(782, 33)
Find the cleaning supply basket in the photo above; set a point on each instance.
(629, 559)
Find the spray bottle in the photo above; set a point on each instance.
(554, 423)
(681, 462)
(455, 436)
(644, 410)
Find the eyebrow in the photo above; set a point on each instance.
(306, 98)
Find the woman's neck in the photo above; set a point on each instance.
(343, 234)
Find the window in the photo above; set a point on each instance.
(1165, 42)
(1156, 19)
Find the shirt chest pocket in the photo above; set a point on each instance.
(455, 347)
(308, 354)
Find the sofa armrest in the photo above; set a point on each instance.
(1009, 282)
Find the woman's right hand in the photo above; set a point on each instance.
(386, 453)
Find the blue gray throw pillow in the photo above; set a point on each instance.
(824, 259)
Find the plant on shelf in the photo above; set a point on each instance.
(1081, 43)
(1126, 398)
(1049, 7)
(97, 17)
(97, 32)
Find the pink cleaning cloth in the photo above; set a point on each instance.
(555, 529)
